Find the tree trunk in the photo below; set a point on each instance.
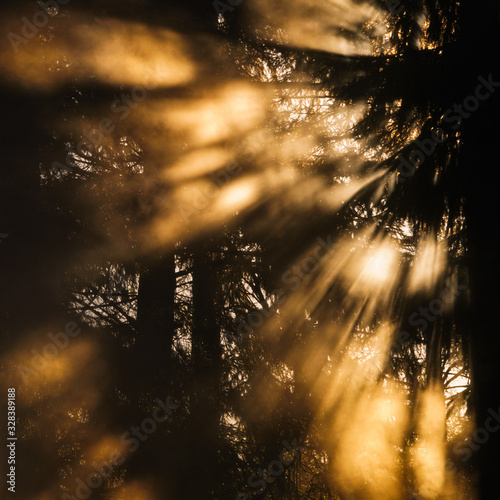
(480, 135)
(150, 375)
(205, 406)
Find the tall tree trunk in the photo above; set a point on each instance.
(205, 406)
(480, 137)
(155, 317)
(150, 374)
(32, 258)
(32, 248)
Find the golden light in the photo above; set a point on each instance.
(137, 490)
(429, 450)
(47, 367)
(429, 263)
(366, 456)
(106, 446)
(373, 268)
(198, 163)
(237, 195)
(206, 127)
(318, 25)
(378, 266)
(233, 108)
(135, 54)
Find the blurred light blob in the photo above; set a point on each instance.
(429, 450)
(359, 362)
(368, 270)
(107, 446)
(137, 490)
(135, 54)
(369, 443)
(222, 114)
(373, 269)
(116, 52)
(378, 265)
(198, 163)
(42, 368)
(429, 263)
(333, 26)
(238, 195)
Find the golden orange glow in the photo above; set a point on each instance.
(429, 452)
(238, 195)
(231, 109)
(138, 490)
(373, 270)
(213, 151)
(318, 25)
(360, 362)
(106, 446)
(137, 55)
(46, 367)
(198, 163)
(158, 58)
(366, 456)
(335, 197)
(378, 266)
(428, 265)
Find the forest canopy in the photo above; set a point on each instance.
(248, 249)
